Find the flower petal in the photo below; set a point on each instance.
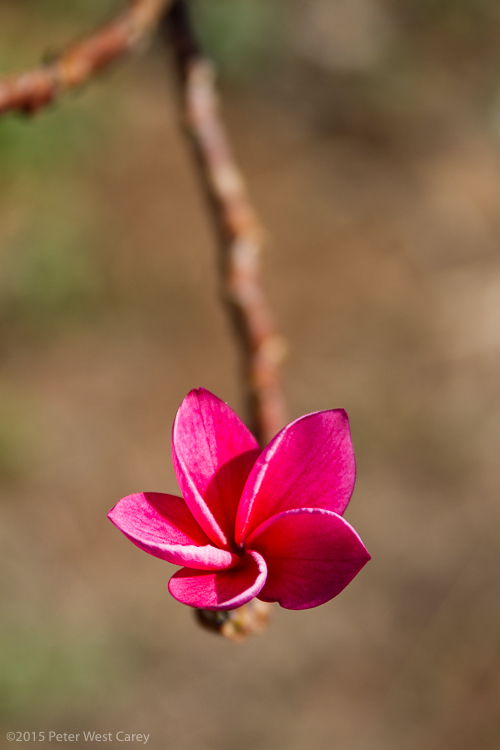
(164, 526)
(311, 555)
(224, 589)
(309, 464)
(213, 454)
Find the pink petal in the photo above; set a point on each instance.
(213, 453)
(164, 526)
(225, 589)
(309, 464)
(311, 555)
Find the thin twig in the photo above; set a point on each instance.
(30, 91)
(241, 240)
(239, 232)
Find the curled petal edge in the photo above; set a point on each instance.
(222, 589)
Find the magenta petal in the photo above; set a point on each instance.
(224, 589)
(309, 464)
(164, 526)
(311, 555)
(213, 453)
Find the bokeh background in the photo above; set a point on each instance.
(369, 132)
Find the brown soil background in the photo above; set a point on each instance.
(384, 275)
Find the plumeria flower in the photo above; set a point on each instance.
(250, 523)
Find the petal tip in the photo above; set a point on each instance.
(114, 512)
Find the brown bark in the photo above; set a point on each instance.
(241, 241)
(34, 89)
(240, 235)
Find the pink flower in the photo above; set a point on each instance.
(266, 524)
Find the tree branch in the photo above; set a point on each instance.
(30, 91)
(239, 232)
(241, 240)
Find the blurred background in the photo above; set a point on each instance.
(369, 132)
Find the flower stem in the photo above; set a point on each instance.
(236, 624)
(240, 239)
(239, 232)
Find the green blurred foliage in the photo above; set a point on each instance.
(47, 275)
(15, 434)
(49, 281)
(52, 141)
(43, 667)
(243, 36)
(47, 278)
